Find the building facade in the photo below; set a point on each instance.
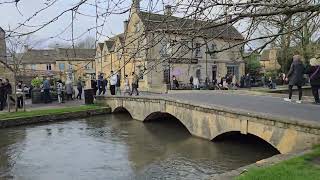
(159, 46)
(59, 63)
(5, 73)
(269, 61)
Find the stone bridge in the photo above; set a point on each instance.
(208, 121)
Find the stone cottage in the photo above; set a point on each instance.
(158, 46)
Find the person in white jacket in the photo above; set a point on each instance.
(113, 82)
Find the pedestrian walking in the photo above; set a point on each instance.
(94, 86)
(196, 83)
(247, 81)
(118, 89)
(135, 84)
(79, 88)
(113, 83)
(19, 94)
(126, 85)
(295, 77)
(100, 84)
(8, 91)
(104, 86)
(60, 91)
(69, 90)
(46, 90)
(314, 73)
(175, 82)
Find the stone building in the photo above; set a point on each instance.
(5, 73)
(59, 63)
(269, 60)
(158, 46)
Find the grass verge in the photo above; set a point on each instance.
(306, 167)
(14, 115)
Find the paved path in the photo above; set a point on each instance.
(273, 106)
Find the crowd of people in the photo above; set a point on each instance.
(100, 85)
(6, 93)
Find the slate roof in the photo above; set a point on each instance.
(39, 56)
(154, 22)
(109, 44)
(50, 56)
(70, 53)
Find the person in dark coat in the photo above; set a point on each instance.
(79, 88)
(314, 73)
(94, 86)
(295, 77)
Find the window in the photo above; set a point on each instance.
(33, 67)
(184, 48)
(88, 66)
(211, 51)
(70, 66)
(49, 67)
(234, 70)
(141, 71)
(198, 50)
(138, 27)
(166, 48)
(61, 66)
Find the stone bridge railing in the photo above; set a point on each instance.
(286, 135)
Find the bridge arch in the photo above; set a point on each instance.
(121, 109)
(247, 138)
(159, 114)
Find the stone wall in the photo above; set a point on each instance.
(209, 122)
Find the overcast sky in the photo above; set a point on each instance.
(60, 30)
(11, 18)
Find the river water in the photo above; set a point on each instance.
(117, 147)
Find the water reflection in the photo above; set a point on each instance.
(116, 147)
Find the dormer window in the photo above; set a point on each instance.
(138, 27)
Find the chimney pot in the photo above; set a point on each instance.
(125, 25)
(168, 10)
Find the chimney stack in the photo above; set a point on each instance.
(125, 25)
(168, 10)
(135, 6)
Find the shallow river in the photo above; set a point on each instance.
(116, 147)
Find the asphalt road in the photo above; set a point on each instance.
(259, 104)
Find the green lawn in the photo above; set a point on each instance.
(13, 115)
(299, 168)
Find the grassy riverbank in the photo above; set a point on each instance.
(33, 113)
(306, 167)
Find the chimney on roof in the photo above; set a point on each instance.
(125, 25)
(135, 6)
(25, 48)
(168, 10)
(228, 18)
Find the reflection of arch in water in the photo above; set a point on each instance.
(246, 139)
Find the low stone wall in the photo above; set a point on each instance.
(53, 117)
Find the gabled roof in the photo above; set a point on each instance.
(155, 22)
(101, 45)
(70, 53)
(109, 44)
(39, 56)
(50, 56)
